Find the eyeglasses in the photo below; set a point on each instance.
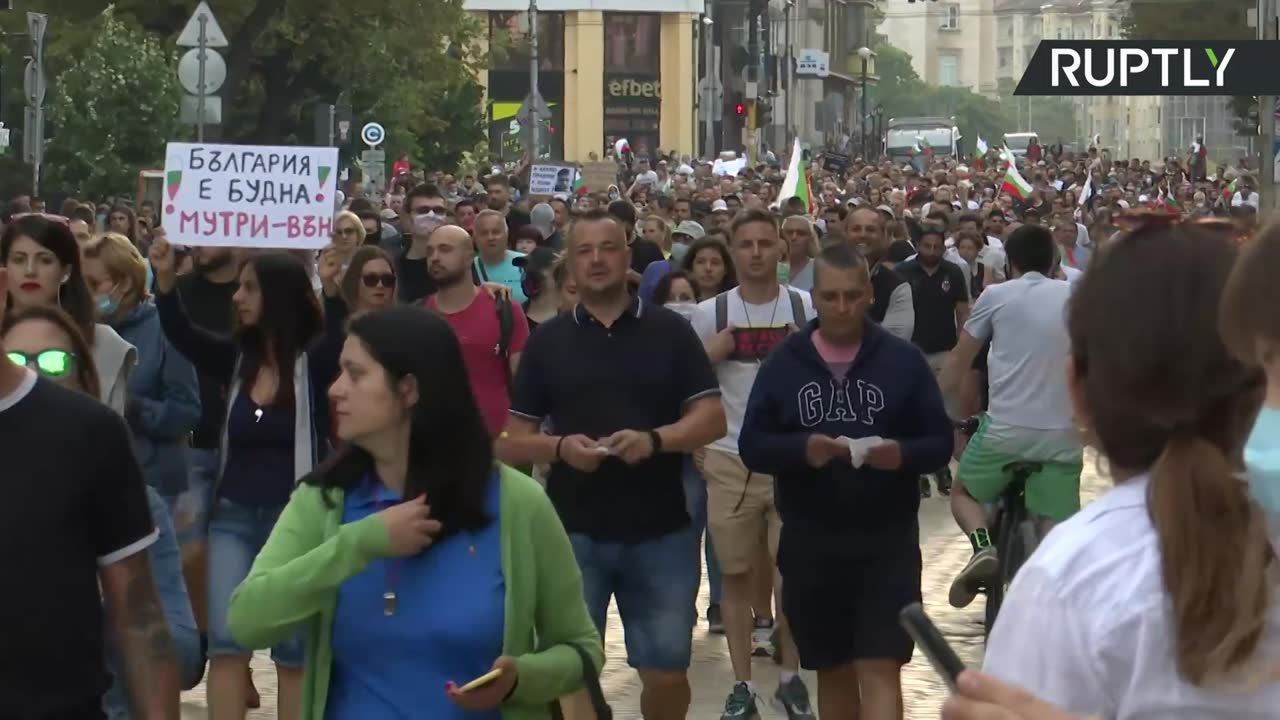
(371, 280)
(53, 362)
(347, 232)
(430, 210)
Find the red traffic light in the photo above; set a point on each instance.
(739, 109)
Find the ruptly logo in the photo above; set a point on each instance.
(1110, 67)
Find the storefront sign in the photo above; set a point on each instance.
(814, 63)
(249, 195)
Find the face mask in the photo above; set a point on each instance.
(685, 309)
(1262, 463)
(106, 305)
(426, 223)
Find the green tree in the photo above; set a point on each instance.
(112, 111)
(407, 64)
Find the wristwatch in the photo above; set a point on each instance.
(656, 440)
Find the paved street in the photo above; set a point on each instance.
(945, 552)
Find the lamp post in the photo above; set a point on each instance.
(864, 52)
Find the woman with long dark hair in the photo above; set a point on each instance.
(44, 266)
(709, 262)
(272, 436)
(1159, 598)
(411, 560)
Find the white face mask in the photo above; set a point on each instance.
(685, 309)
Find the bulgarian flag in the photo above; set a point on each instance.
(980, 153)
(1015, 184)
(796, 183)
(579, 185)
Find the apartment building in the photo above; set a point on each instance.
(951, 43)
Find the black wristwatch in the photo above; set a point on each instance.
(656, 440)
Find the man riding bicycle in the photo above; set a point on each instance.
(1030, 415)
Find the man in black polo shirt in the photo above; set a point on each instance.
(891, 295)
(628, 390)
(941, 303)
(76, 527)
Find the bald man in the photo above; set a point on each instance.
(477, 318)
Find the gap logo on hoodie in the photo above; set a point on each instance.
(836, 401)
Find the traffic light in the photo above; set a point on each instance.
(740, 109)
(764, 113)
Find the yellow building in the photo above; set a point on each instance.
(606, 70)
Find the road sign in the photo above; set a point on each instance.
(190, 110)
(344, 130)
(523, 115)
(33, 83)
(373, 134)
(215, 71)
(213, 35)
(374, 165)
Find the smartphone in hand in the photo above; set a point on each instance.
(935, 647)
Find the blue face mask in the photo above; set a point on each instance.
(1262, 463)
(106, 305)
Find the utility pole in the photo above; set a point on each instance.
(535, 97)
(1267, 30)
(754, 10)
(787, 71)
(712, 78)
(203, 49)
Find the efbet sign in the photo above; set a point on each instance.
(632, 88)
(1112, 67)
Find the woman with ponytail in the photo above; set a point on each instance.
(1156, 600)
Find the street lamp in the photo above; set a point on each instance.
(864, 52)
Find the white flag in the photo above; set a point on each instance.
(982, 146)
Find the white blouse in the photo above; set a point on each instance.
(1086, 625)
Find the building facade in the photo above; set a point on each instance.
(951, 43)
(607, 69)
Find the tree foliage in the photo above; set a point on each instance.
(902, 93)
(112, 111)
(407, 64)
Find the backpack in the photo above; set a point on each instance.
(797, 309)
(506, 326)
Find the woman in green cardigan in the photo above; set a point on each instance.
(413, 564)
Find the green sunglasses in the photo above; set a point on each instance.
(53, 363)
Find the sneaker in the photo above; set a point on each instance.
(979, 573)
(715, 623)
(762, 638)
(793, 696)
(741, 704)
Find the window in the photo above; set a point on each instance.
(1061, 34)
(948, 70)
(1006, 27)
(953, 17)
(509, 40)
(631, 42)
(1005, 56)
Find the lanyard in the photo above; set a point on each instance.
(390, 575)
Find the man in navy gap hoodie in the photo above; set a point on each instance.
(849, 554)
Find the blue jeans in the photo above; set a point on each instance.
(236, 536)
(695, 494)
(655, 582)
(171, 589)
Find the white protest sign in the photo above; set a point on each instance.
(551, 179)
(249, 195)
(728, 167)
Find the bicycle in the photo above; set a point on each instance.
(1014, 534)
(1013, 531)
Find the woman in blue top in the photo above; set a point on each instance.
(276, 417)
(163, 401)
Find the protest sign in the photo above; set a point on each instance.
(598, 176)
(551, 179)
(249, 195)
(721, 168)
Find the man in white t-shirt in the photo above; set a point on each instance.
(1029, 416)
(739, 328)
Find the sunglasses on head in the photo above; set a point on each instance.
(372, 280)
(52, 363)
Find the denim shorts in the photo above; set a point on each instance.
(236, 536)
(655, 583)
